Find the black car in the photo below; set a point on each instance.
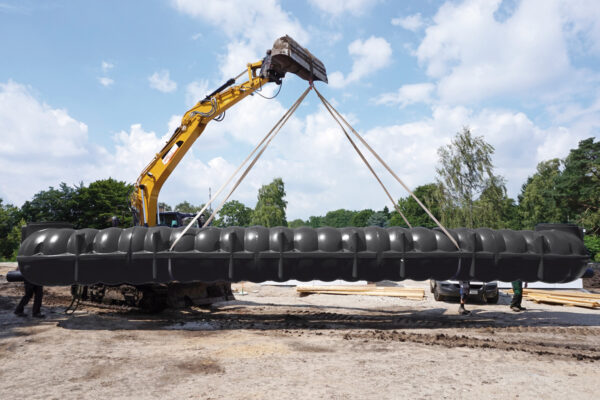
(483, 291)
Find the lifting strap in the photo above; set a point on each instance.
(438, 223)
(394, 203)
(269, 136)
(276, 130)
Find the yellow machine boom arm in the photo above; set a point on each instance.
(285, 56)
(149, 183)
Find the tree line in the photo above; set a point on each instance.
(95, 205)
(467, 192)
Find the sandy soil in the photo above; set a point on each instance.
(272, 344)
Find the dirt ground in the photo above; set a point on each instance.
(273, 344)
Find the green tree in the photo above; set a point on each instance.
(297, 223)
(592, 242)
(164, 207)
(361, 218)
(100, 201)
(378, 218)
(187, 207)
(539, 198)
(465, 172)
(10, 230)
(53, 205)
(579, 185)
(234, 213)
(14, 238)
(428, 194)
(270, 207)
(315, 221)
(386, 212)
(338, 218)
(494, 209)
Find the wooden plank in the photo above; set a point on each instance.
(566, 299)
(358, 289)
(411, 293)
(416, 294)
(410, 297)
(401, 294)
(562, 297)
(563, 292)
(569, 298)
(563, 301)
(573, 298)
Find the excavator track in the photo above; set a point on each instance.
(150, 298)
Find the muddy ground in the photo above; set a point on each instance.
(273, 344)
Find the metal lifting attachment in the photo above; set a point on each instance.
(288, 56)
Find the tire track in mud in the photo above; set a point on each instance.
(567, 350)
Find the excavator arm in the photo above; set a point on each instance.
(285, 56)
(145, 197)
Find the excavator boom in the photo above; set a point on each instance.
(285, 56)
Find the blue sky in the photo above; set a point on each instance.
(92, 89)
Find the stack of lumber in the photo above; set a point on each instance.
(404, 292)
(562, 297)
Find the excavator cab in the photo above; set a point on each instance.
(288, 56)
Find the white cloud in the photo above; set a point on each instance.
(338, 7)
(11, 8)
(252, 118)
(39, 145)
(106, 66)
(239, 54)
(105, 81)
(135, 148)
(408, 94)
(476, 56)
(196, 91)
(251, 27)
(581, 20)
(133, 151)
(43, 146)
(368, 56)
(162, 82)
(33, 128)
(519, 143)
(411, 22)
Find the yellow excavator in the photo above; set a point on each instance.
(285, 56)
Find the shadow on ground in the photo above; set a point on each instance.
(265, 316)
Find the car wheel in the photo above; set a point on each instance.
(493, 300)
(437, 295)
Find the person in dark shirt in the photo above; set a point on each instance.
(37, 293)
(465, 286)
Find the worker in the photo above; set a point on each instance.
(35, 291)
(464, 293)
(515, 303)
